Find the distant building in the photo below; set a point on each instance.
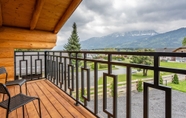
(177, 59)
(182, 50)
(165, 58)
(164, 49)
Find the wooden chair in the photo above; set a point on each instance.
(19, 100)
(14, 82)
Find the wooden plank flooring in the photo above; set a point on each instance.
(54, 103)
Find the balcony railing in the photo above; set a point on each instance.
(77, 74)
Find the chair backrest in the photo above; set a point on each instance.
(4, 90)
(3, 71)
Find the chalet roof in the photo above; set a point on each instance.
(179, 48)
(164, 49)
(45, 15)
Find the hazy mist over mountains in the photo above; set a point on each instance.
(137, 39)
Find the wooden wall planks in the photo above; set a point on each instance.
(26, 45)
(15, 38)
(18, 34)
(7, 60)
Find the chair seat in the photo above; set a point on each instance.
(15, 82)
(17, 101)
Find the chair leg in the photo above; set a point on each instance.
(7, 112)
(26, 87)
(3, 97)
(23, 111)
(20, 89)
(39, 106)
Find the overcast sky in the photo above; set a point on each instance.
(95, 18)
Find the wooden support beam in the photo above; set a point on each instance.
(16, 34)
(74, 4)
(1, 15)
(36, 14)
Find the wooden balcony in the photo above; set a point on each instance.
(77, 80)
(54, 103)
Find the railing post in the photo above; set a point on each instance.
(95, 87)
(65, 75)
(109, 64)
(145, 101)
(45, 57)
(56, 73)
(31, 67)
(128, 101)
(156, 72)
(14, 65)
(77, 81)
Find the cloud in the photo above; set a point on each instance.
(98, 18)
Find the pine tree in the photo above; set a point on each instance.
(184, 42)
(139, 85)
(73, 42)
(175, 79)
(161, 80)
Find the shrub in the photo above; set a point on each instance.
(175, 79)
(114, 57)
(81, 98)
(161, 80)
(105, 57)
(112, 89)
(92, 66)
(122, 58)
(103, 66)
(139, 86)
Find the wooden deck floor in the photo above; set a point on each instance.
(54, 103)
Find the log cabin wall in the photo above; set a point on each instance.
(26, 39)
(30, 24)
(15, 38)
(7, 60)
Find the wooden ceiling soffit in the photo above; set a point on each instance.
(73, 5)
(36, 14)
(1, 17)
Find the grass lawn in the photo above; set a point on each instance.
(127, 60)
(135, 76)
(180, 65)
(122, 77)
(180, 87)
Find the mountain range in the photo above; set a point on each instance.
(137, 39)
